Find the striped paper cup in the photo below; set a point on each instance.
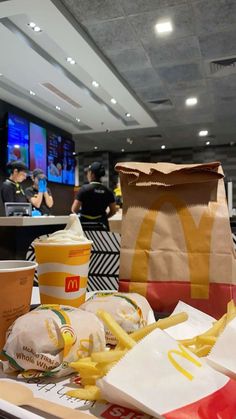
(63, 272)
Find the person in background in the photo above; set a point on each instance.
(12, 190)
(118, 194)
(39, 194)
(95, 198)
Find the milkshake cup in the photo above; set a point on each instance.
(63, 262)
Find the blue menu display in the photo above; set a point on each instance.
(68, 167)
(55, 159)
(18, 139)
(38, 147)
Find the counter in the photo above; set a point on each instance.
(16, 233)
(115, 222)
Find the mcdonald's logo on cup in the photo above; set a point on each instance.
(72, 283)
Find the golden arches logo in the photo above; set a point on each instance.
(182, 353)
(197, 238)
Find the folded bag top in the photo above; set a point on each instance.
(167, 174)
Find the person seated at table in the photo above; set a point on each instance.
(12, 190)
(39, 194)
(94, 199)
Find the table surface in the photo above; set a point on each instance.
(33, 221)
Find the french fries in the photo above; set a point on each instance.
(90, 369)
(99, 364)
(201, 345)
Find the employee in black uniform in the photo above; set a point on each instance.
(12, 190)
(93, 199)
(39, 194)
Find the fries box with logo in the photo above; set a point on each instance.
(176, 239)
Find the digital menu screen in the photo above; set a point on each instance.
(68, 167)
(18, 139)
(55, 158)
(38, 147)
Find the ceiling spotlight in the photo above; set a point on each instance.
(191, 101)
(128, 114)
(32, 25)
(37, 29)
(95, 83)
(113, 100)
(70, 60)
(58, 108)
(164, 27)
(95, 148)
(203, 133)
(122, 150)
(77, 119)
(32, 93)
(208, 142)
(163, 146)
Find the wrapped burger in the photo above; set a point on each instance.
(130, 310)
(44, 341)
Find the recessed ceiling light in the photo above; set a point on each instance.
(32, 24)
(122, 150)
(191, 101)
(113, 100)
(163, 146)
(208, 142)
(128, 114)
(95, 83)
(95, 148)
(37, 29)
(77, 119)
(1, 74)
(58, 108)
(70, 60)
(203, 133)
(164, 27)
(32, 93)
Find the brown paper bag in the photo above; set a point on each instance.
(176, 239)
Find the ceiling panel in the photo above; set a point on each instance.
(150, 75)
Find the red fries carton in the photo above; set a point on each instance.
(163, 379)
(223, 354)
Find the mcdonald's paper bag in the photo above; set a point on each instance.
(160, 377)
(176, 240)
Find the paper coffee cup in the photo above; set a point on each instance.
(62, 272)
(16, 283)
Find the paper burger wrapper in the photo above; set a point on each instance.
(44, 341)
(130, 310)
(163, 379)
